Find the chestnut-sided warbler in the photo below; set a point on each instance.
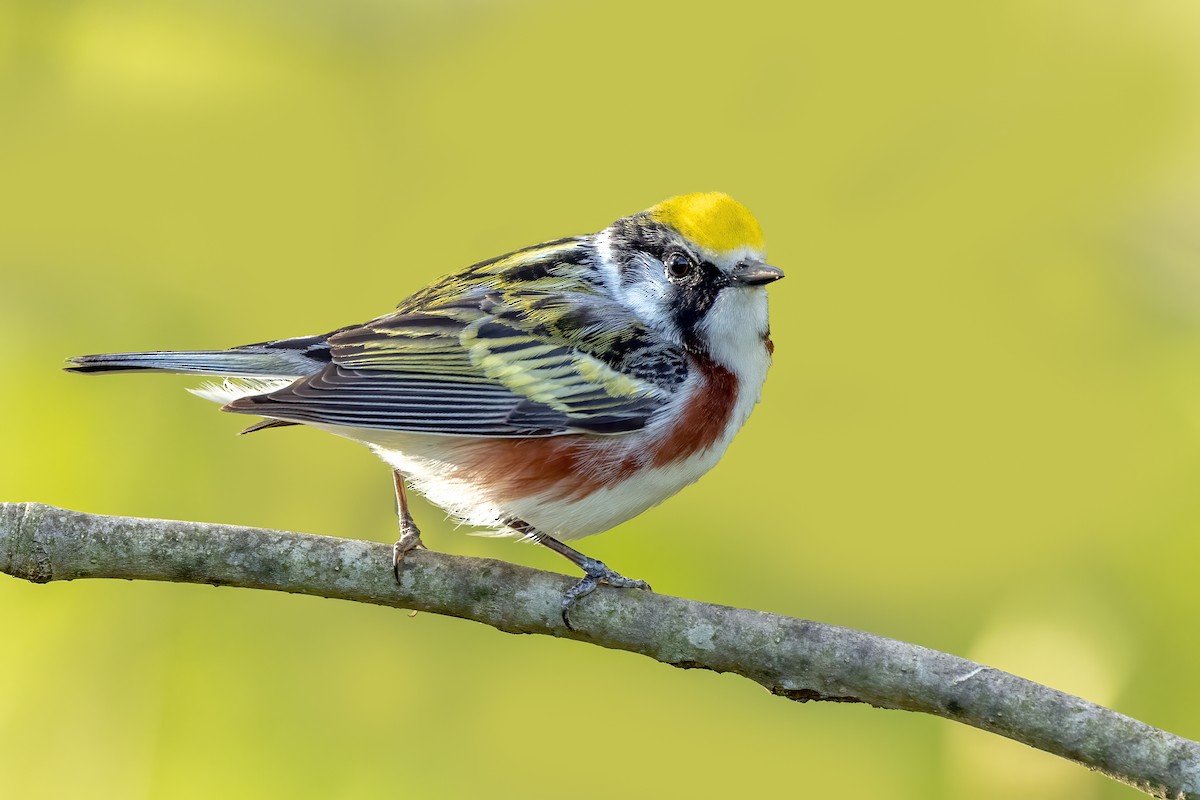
(551, 393)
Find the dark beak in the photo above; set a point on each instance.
(755, 273)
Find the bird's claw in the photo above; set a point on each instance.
(596, 573)
(410, 539)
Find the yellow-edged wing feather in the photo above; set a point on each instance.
(521, 346)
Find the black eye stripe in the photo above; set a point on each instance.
(693, 299)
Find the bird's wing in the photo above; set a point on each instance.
(535, 358)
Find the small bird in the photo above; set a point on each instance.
(550, 393)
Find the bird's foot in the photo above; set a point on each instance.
(410, 539)
(595, 573)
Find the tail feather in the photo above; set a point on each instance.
(253, 362)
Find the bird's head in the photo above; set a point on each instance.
(693, 267)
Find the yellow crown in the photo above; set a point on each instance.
(710, 219)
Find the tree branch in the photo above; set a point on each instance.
(794, 658)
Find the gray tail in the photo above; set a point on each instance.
(287, 358)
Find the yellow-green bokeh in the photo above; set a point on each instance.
(981, 432)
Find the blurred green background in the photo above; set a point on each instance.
(981, 432)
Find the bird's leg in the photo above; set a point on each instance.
(410, 535)
(594, 572)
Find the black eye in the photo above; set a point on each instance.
(678, 265)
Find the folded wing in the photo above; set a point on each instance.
(491, 363)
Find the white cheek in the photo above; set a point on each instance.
(647, 301)
(734, 329)
(735, 326)
(647, 295)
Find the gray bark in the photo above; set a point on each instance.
(793, 658)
